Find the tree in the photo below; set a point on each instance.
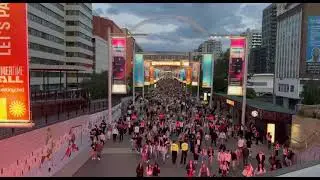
(97, 85)
(251, 94)
(311, 93)
(220, 78)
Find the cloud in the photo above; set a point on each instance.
(185, 25)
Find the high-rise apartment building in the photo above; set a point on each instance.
(297, 50)
(211, 46)
(59, 39)
(79, 46)
(254, 40)
(269, 36)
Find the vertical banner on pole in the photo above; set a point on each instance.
(236, 66)
(189, 75)
(156, 74)
(207, 78)
(151, 74)
(119, 65)
(14, 66)
(195, 73)
(139, 70)
(147, 65)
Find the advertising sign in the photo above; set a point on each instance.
(313, 45)
(195, 73)
(139, 70)
(119, 65)
(157, 74)
(188, 75)
(207, 70)
(236, 66)
(14, 66)
(147, 65)
(182, 75)
(151, 75)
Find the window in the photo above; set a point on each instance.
(78, 23)
(45, 23)
(259, 83)
(78, 13)
(59, 6)
(36, 60)
(291, 88)
(79, 44)
(45, 36)
(49, 12)
(39, 47)
(77, 33)
(79, 54)
(45, 74)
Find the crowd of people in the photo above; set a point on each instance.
(169, 124)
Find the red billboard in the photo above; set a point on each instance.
(236, 66)
(14, 66)
(119, 65)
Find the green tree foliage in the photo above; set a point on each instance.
(220, 78)
(97, 85)
(251, 94)
(311, 93)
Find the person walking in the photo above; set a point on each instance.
(140, 170)
(184, 152)
(191, 169)
(115, 133)
(174, 152)
(156, 170)
(245, 155)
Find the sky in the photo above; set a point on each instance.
(181, 26)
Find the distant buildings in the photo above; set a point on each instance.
(254, 45)
(59, 39)
(297, 60)
(269, 37)
(211, 46)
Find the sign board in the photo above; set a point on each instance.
(14, 66)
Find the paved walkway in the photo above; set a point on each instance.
(118, 161)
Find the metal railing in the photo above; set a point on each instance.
(46, 113)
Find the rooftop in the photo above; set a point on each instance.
(259, 104)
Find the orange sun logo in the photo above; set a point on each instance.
(17, 109)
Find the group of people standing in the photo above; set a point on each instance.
(168, 123)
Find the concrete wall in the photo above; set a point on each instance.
(24, 155)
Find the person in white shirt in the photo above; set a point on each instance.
(136, 130)
(102, 138)
(115, 132)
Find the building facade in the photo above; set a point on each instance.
(59, 39)
(254, 42)
(211, 46)
(269, 37)
(101, 54)
(291, 66)
(261, 83)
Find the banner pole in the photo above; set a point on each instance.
(244, 88)
(212, 71)
(110, 77)
(133, 73)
